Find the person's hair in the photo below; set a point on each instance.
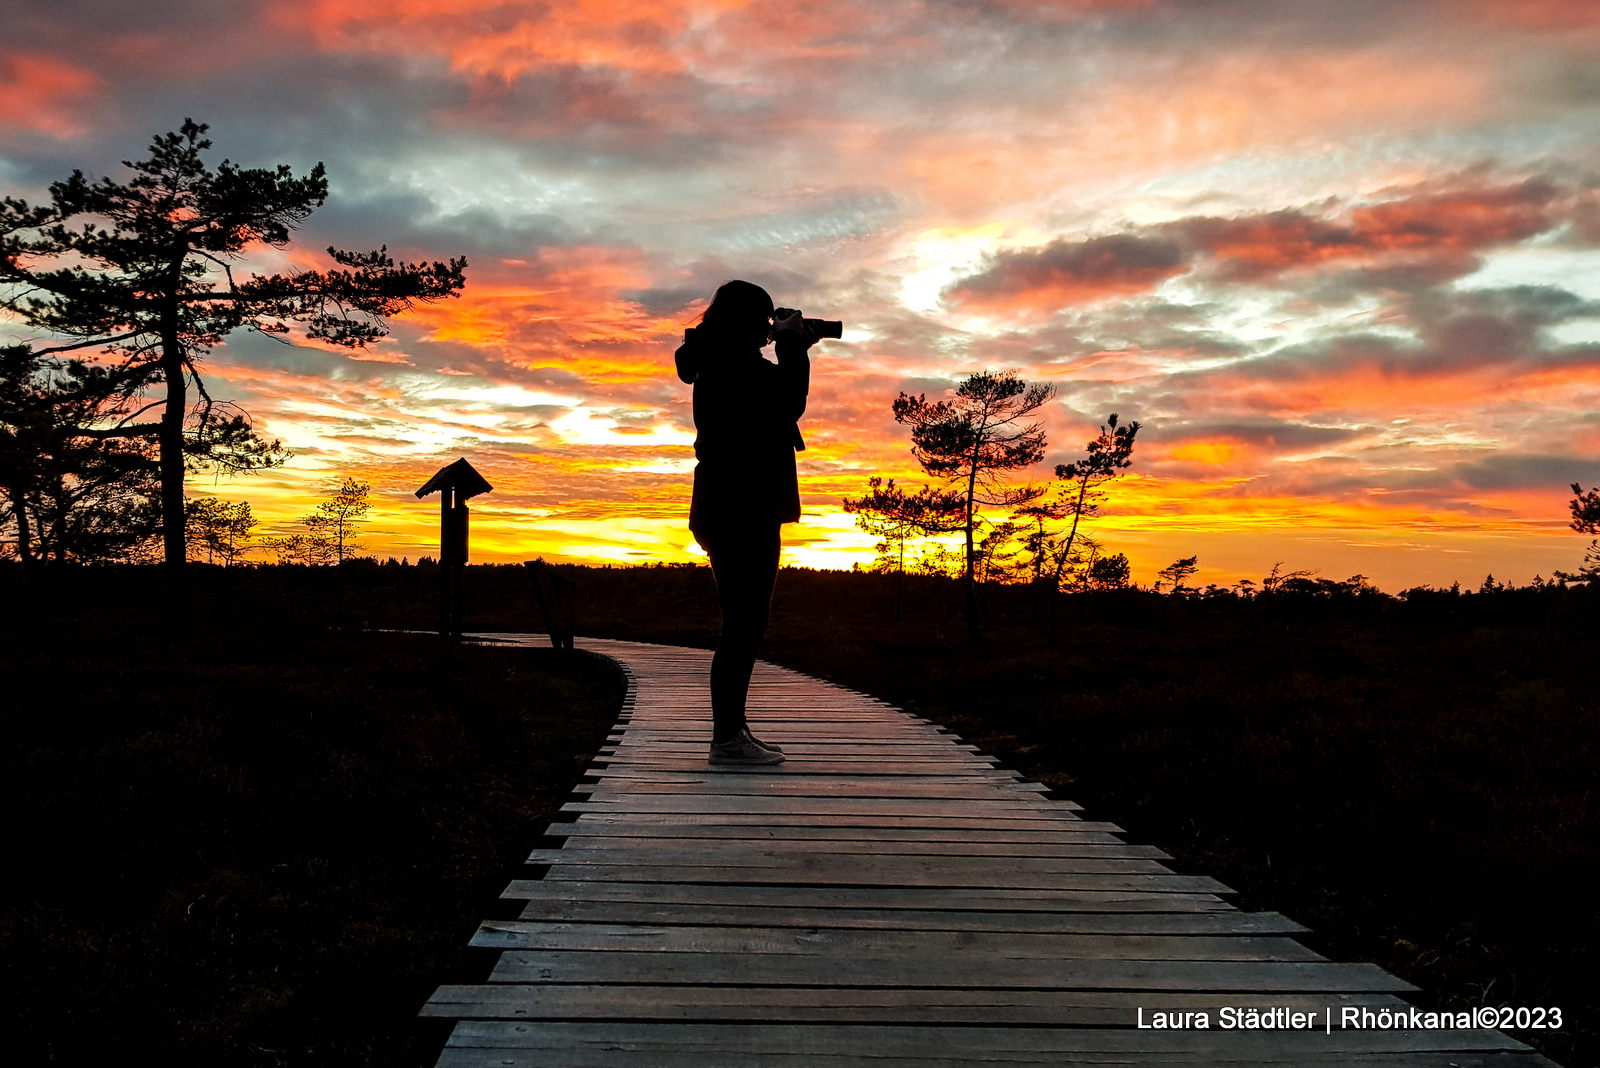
(738, 309)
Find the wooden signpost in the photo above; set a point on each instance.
(455, 483)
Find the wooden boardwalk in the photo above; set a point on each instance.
(887, 897)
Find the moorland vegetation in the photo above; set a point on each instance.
(1409, 775)
(263, 844)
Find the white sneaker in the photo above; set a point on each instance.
(743, 749)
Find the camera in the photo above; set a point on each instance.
(820, 328)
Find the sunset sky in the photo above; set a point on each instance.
(1341, 260)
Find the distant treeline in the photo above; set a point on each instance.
(677, 602)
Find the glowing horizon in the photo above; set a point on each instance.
(1341, 261)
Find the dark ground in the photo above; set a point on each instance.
(1412, 779)
(266, 846)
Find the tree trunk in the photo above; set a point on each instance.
(900, 580)
(1055, 605)
(170, 439)
(1061, 563)
(971, 594)
(24, 539)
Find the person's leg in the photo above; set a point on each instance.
(745, 565)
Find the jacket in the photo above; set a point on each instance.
(746, 412)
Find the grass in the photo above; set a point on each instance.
(266, 845)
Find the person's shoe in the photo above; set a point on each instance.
(764, 745)
(743, 749)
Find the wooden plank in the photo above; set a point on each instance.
(695, 769)
(494, 1057)
(1076, 1008)
(786, 783)
(964, 1040)
(636, 734)
(990, 899)
(830, 864)
(818, 777)
(593, 815)
(992, 946)
(889, 726)
(797, 765)
(1215, 922)
(936, 1041)
(684, 710)
(526, 966)
(723, 847)
(779, 785)
(944, 755)
(753, 801)
(1017, 809)
(991, 877)
(604, 827)
(1037, 1045)
(670, 711)
(846, 759)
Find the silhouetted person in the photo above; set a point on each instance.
(745, 413)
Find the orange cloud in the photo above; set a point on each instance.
(1444, 227)
(496, 41)
(564, 310)
(40, 93)
(1155, 119)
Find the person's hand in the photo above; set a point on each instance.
(794, 324)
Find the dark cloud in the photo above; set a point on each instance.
(1509, 471)
(1407, 242)
(1074, 271)
(1138, 327)
(258, 350)
(700, 279)
(119, 37)
(409, 224)
(1456, 331)
(816, 218)
(1274, 435)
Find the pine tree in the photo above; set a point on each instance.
(69, 488)
(896, 516)
(143, 270)
(219, 529)
(1106, 458)
(973, 442)
(1179, 572)
(347, 503)
(1585, 508)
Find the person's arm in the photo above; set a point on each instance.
(792, 341)
(688, 357)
